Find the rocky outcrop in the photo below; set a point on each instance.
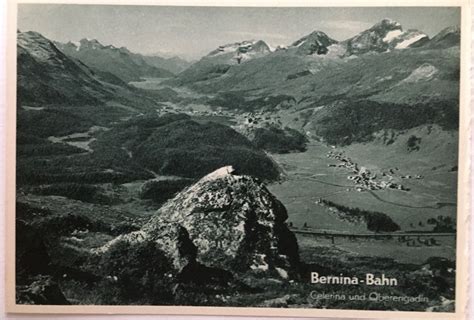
(46, 75)
(374, 39)
(42, 290)
(234, 221)
(171, 238)
(316, 43)
(224, 221)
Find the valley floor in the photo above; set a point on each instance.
(310, 177)
(324, 189)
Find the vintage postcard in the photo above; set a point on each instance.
(279, 159)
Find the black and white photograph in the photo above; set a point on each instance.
(264, 157)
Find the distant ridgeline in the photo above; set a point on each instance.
(343, 92)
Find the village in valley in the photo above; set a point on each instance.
(365, 180)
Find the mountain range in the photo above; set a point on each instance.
(312, 82)
(312, 52)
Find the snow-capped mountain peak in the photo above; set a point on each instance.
(384, 36)
(238, 52)
(246, 46)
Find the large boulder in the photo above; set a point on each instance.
(235, 223)
(170, 238)
(224, 221)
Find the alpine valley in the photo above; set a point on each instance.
(228, 181)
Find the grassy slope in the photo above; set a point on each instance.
(310, 178)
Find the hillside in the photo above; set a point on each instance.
(120, 62)
(47, 75)
(177, 145)
(218, 61)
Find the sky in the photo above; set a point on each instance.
(192, 32)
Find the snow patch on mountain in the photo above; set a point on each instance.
(424, 72)
(301, 43)
(391, 35)
(76, 44)
(241, 47)
(335, 51)
(238, 52)
(408, 42)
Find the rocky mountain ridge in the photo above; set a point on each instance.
(120, 62)
(46, 74)
(384, 35)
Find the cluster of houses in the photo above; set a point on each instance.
(172, 108)
(167, 109)
(392, 171)
(247, 119)
(258, 118)
(363, 177)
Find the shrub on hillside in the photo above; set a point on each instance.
(413, 143)
(377, 221)
(443, 224)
